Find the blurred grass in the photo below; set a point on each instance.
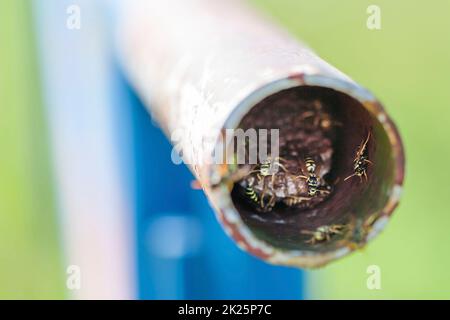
(407, 65)
(30, 259)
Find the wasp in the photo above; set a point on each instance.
(266, 169)
(256, 195)
(253, 197)
(311, 179)
(323, 233)
(361, 161)
(251, 194)
(310, 165)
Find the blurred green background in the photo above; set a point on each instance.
(407, 65)
(30, 256)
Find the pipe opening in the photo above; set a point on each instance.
(321, 131)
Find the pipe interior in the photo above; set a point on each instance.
(352, 203)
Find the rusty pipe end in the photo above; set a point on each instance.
(361, 208)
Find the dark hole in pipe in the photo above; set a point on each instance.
(333, 144)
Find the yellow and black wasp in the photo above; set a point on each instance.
(323, 233)
(251, 194)
(253, 197)
(293, 201)
(361, 161)
(268, 168)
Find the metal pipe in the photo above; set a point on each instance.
(204, 66)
